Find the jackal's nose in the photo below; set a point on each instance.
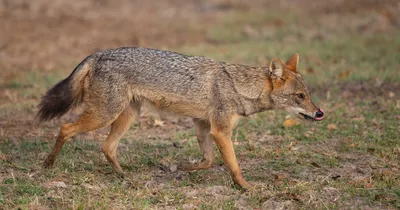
(319, 115)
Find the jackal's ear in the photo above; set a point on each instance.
(276, 68)
(293, 62)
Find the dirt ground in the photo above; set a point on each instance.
(41, 42)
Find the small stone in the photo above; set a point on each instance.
(91, 187)
(56, 184)
(173, 168)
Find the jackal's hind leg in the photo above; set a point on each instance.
(118, 129)
(86, 122)
(206, 147)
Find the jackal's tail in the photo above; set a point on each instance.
(66, 94)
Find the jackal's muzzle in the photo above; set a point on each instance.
(318, 115)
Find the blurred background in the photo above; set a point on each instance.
(349, 55)
(49, 35)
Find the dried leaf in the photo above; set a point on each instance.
(332, 126)
(158, 122)
(290, 123)
(344, 74)
(368, 185)
(352, 145)
(280, 176)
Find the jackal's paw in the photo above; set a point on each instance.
(120, 174)
(193, 166)
(186, 166)
(244, 186)
(242, 183)
(48, 163)
(247, 187)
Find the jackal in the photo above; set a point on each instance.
(114, 84)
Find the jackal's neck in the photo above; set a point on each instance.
(252, 86)
(249, 107)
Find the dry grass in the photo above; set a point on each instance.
(349, 55)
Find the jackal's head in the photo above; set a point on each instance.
(290, 92)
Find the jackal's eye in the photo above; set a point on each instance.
(300, 95)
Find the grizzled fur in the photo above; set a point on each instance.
(167, 80)
(113, 84)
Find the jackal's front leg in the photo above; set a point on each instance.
(206, 147)
(221, 131)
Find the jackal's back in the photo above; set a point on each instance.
(173, 72)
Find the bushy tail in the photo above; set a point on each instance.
(66, 94)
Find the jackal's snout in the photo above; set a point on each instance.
(316, 116)
(319, 115)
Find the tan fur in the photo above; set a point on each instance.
(293, 62)
(206, 147)
(86, 122)
(118, 129)
(222, 133)
(114, 84)
(80, 81)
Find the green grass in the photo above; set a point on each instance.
(303, 167)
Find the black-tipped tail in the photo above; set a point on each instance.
(65, 94)
(57, 101)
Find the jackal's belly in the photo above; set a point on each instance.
(190, 105)
(183, 109)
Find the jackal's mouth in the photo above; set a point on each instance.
(307, 117)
